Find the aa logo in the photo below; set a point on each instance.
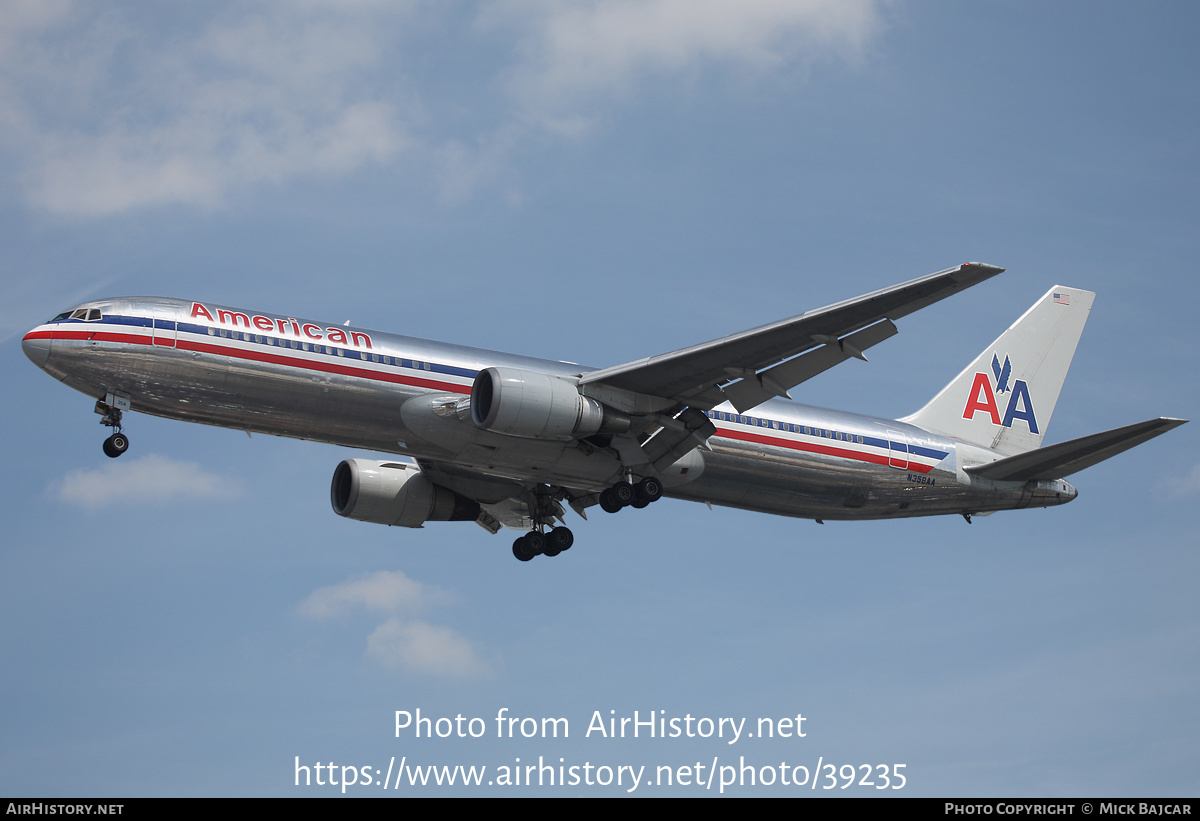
(983, 397)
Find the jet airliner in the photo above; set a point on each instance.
(507, 441)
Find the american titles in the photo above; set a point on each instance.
(284, 327)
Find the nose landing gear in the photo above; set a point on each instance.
(118, 443)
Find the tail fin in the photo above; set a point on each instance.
(1004, 399)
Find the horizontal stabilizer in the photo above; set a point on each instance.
(1065, 458)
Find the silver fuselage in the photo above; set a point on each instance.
(267, 373)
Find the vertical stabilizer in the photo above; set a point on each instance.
(1004, 399)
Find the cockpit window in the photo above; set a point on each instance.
(85, 314)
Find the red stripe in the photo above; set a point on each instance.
(808, 447)
(275, 359)
(325, 367)
(102, 336)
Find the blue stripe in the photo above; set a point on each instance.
(819, 432)
(347, 353)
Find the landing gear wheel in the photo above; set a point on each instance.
(622, 492)
(608, 503)
(558, 540)
(535, 542)
(520, 551)
(648, 490)
(115, 445)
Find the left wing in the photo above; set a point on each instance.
(749, 368)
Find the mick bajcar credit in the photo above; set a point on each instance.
(1074, 807)
(726, 768)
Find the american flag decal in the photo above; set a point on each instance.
(1062, 299)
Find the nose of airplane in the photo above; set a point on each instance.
(37, 348)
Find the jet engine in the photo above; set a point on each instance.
(538, 406)
(395, 493)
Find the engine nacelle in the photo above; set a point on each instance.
(395, 493)
(538, 406)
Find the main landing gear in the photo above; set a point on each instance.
(118, 443)
(552, 541)
(548, 543)
(624, 494)
(545, 539)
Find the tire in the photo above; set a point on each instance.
(649, 490)
(622, 492)
(120, 442)
(519, 550)
(608, 503)
(559, 539)
(115, 445)
(535, 542)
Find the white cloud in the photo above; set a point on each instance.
(1187, 485)
(424, 648)
(384, 592)
(151, 479)
(405, 643)
(587, 47)
(143, 116)
(109, 110)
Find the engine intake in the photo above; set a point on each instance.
(395, 493)
(538, 406)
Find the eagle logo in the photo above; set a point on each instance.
(1002, 373)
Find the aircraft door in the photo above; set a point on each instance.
(897, 449)
(164, 327)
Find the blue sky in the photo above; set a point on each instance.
(597, 183)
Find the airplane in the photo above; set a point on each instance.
(506, 440)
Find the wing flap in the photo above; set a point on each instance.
(1065, 458)
(752, 391)
(678, 437)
